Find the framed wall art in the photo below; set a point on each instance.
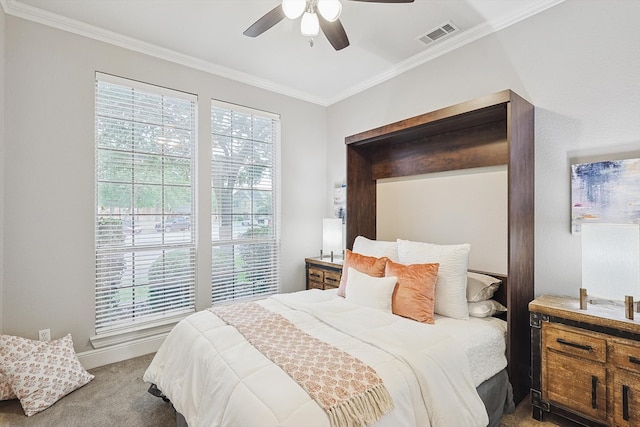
(606, 192)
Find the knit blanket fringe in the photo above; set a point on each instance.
(363, 409)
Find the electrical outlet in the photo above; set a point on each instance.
(44, 335)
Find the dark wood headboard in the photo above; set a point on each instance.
(497, 129)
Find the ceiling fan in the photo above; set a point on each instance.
(316, 15)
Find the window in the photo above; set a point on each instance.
(145, 224)
(244, 194)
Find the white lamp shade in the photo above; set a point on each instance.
(330, 9)
(309, 25)
(611, 260)
(293, 8)
(332, 236)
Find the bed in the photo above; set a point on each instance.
(492, 130)
(190, 367)
(409, 314)
(448, 373)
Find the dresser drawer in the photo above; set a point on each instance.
(316, 275)
(575, 342)
(331, 279)
(576, 383)
(626, 355)
(626, 399)
(315, 285)
(322, 274)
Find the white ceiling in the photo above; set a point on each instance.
(207, 34)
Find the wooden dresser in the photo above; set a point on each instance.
(322, 273)
(585, 363)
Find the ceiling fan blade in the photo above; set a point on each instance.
(270, 19)
(335, 33)
(385, 1)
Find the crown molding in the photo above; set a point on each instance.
(20, 10)
(448, 45)
(15, 8)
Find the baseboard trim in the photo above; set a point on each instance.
(119, 352)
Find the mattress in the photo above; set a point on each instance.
(483, 341)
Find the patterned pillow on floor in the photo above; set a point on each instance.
(12, 349)
(42, 377)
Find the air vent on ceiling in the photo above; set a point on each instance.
(439, 33)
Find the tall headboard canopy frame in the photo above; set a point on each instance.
(497, 129)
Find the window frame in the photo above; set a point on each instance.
(151, 323)
(250, 240)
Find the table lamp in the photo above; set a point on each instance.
(611, 262)
(331, 237)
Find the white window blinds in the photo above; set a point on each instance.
(145, 223)
(245, 202)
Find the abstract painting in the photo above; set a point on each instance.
(606, 191)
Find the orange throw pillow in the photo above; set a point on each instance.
(364, 264)
(414, 296)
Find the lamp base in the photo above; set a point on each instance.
(333, 257)
(583, 299)
(628, 307)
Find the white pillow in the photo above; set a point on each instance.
(451, 286)
(481, 287)
(376, 248)
(485, 308)
(374, 292)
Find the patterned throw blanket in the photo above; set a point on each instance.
(351, 392)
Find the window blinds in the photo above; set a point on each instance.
(245, 202)
(145, 223)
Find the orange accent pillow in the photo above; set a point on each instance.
(414, 296)
(364, 264)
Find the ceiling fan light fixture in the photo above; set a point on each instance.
(293, 8)
(330, 9)
(309, 25)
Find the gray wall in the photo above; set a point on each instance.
(578, 63)
(49, 173)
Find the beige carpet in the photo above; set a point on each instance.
(522, 418)
(118, 397)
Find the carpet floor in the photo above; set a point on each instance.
(118, 397)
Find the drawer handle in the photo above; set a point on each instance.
(625, 402)
(314, 276)
(334, 280)
(634, 360)
(594, 392)
(572, 344)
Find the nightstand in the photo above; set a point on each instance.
(585, 363)
(322, 273)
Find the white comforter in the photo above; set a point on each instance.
(214, 377)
